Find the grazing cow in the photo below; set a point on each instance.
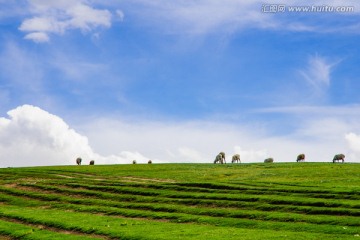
(269, 160)
(339, 157)
(220, 158)
(236, 158)
(78, 161)
(149, 162)
(92, 162)
(300, 158)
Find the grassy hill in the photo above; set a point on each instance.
(181, 201)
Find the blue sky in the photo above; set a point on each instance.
(166, 76)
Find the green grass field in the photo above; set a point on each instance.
(181, 201)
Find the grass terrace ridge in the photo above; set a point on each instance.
(181, 201)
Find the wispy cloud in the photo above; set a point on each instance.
(30, 77)
(201, 16)
(38, 37)
(76, 68)
(208, 16)
(352, 110)
(56, 17)
(317, 73)
(18, 66)
(319, 122)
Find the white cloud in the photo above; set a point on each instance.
(32, 137)
(56, 17)
(130, 156)
(251, 155)
(191, 154)
(85, 17)
(38, 37)
(353, 141)
(42, 25)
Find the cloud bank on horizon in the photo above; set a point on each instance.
(178, 81)
(34, 137)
